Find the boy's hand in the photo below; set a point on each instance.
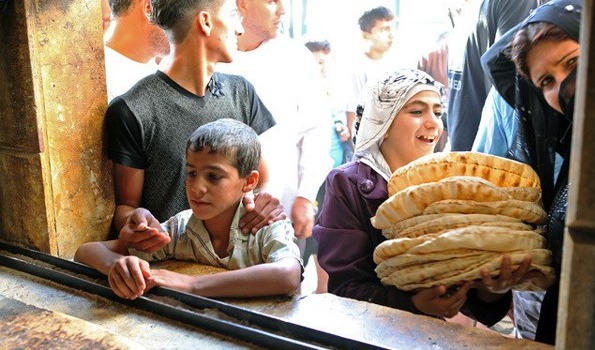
(127, 276)
(261, 210)
(438, 301)
(143, 232)
(302, 216)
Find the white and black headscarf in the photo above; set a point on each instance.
(384, 99)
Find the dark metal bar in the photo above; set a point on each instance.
(257, 319)
(71, 266)
(233, 330)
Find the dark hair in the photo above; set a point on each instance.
(368, 19)
(527, 37)
(319, 45)
(230, 138)
(175, 16)
(119, 7)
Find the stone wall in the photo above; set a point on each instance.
(55, 183)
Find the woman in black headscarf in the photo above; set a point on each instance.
(534, 68)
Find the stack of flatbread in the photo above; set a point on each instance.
(449, 215)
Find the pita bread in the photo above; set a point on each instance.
(486, 238)
(436, 166)
(438, 270)
(416, 220)
(388, 266)
(541, 258)
(397, 246)
(412, 201)
(526, 194)
(454, 221)
(530, 212)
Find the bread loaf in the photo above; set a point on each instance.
(500, 171)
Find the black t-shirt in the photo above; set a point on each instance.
(148, 128)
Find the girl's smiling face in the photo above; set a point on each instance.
(549, 63)
(415, 130)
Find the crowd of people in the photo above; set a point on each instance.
(231, 148)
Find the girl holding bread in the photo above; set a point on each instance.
(402, 121)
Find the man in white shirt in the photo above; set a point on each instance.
(288, 80)
(132, 44)
(377, 26)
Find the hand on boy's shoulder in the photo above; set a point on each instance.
(261, 210)
(143, 232)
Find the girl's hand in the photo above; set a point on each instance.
(507, 279)
(438, 301)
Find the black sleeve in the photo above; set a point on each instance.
(261, 117)
(510, 13)
(124, 135)
(487, 313)
(500, 69)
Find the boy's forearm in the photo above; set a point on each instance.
(96, 255)
(279, 278)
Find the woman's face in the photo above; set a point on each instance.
(549, 64)
(415, 130)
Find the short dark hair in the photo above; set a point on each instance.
(527, 37)
(230, 138)
(369, 18)
(176, 16)
(319, 45)
(119, 7)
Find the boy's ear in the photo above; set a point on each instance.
(251, 181)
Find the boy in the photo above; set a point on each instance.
(222, 159)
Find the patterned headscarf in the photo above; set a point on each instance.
(385, 98)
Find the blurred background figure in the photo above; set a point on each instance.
(133, 45)
(288, 80)
(341, 144)
(377, 26)
(482, 23)
(435, 63)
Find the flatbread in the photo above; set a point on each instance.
(453, 221)
(500, 171)
(388, 266)
(392, 247)
(541, 259)
(416, 220)
(413, 200)
(527, 194)
(486, 238)
(530, 212)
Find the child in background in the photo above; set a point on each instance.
(222, 159)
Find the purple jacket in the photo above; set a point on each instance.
(346, 241)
